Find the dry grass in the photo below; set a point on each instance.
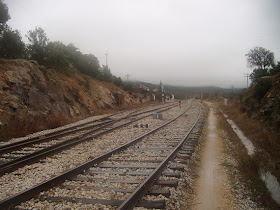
(266, 141)
(266, 156)
(247, 167)
(22, 125)
(206, 108)
(55, 120)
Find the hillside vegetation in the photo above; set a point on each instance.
(263, 100)
(257, 114)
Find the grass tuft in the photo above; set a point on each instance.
(21, 125)
(247, 166)
(55, 120)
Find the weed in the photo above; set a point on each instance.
(266, 141)
(20, 125)
(248, 167)
(262, 88)
(242, 108)
(55, 120)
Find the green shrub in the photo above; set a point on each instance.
(262, 87)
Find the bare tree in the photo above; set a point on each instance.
(260, 57)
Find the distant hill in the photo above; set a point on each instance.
(182, 92)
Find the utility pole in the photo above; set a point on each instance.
(107, 58)
(247, 75)
(162, 93)
(127, 77)
(232, 87)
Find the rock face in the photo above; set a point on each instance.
(263, 100)
(29, 91)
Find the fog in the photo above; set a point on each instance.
(180, 42)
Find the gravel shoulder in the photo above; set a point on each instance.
(212, 189)
(217, 184)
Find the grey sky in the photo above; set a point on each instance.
(184, 42)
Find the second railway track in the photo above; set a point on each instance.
(121, 177)
(45, 168)
(18, 154)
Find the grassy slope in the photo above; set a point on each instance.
(267, 156)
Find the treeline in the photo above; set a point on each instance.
(51, 54)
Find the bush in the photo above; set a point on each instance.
(256, 75)
(11, 45)
(242, 108)
(55, 56)
(20, 125)
(55, 120)
(262, 87)
(118, 81)
(275, 69)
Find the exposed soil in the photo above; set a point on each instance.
(212, 189)
(34, 98)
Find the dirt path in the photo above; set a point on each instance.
(212, 190)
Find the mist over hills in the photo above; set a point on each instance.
(182, 92)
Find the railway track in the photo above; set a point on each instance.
(135, 174)
(18, 154)
(74, 128)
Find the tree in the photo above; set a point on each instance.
(87, 64)
(105, 74)
(11, 45)
(4, 16)
(73, 53)
(37, 47)
(118, 81)
(257, 74)
(56, 56)
(275, 69)
(260, 57)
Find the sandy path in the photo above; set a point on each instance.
(212, 190)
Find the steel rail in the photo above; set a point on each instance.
(18, 145)
(35, 191)
(62, 130)
(143, 188)
(36, 156)
(67, 131)
(54, 132)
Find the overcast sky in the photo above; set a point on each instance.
(183, 42)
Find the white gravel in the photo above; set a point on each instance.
(98, 146)
(182, 197)
(44, 132)
(31, 175)
(241, 196)
(87, 120)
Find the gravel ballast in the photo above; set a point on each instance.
(33, 174)
(169, 134)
